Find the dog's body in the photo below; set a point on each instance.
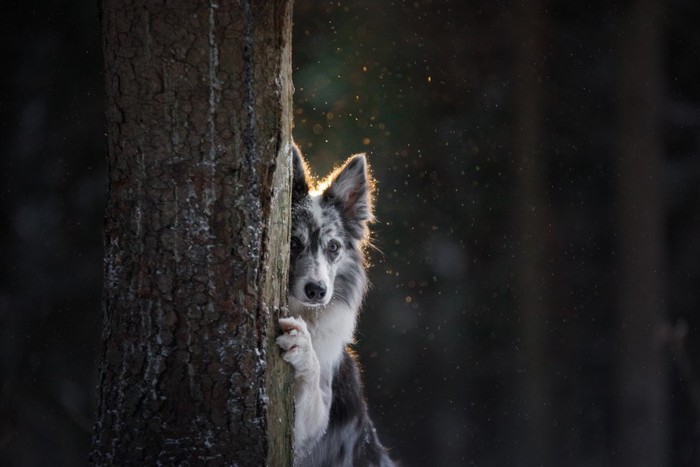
(327, 282)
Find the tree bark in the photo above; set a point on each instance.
(642, 394)
(532, 219)
(198, 99)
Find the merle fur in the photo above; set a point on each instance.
(350, 438)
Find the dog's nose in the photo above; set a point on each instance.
(315, 291)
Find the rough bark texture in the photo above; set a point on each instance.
(196, 234)
(532, 220)
(642, 431)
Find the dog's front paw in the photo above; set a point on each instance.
(296, 345)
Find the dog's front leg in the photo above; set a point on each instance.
(311, 404)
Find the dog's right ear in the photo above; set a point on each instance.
(300, 175)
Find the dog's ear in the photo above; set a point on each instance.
(351, 188)
(300, 175)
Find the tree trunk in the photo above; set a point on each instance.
(641, 401)
(196, 233)
(532, 219)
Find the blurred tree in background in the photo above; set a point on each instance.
(52, 204)
(472, 114)
(641, 403)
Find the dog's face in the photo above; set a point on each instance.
(329, 225)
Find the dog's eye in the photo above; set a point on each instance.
(333, 246)
(295, 244)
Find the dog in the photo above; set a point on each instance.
(327, 282)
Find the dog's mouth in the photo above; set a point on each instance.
(300, 302)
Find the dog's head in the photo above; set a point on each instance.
(329, 227)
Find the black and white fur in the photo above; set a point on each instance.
(327, 282)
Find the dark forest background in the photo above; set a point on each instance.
(536, 281)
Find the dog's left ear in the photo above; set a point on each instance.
(351, 189)
(300, 175)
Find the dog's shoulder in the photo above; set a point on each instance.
(349, 421)
(348, 400)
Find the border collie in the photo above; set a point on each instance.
(327, 282)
